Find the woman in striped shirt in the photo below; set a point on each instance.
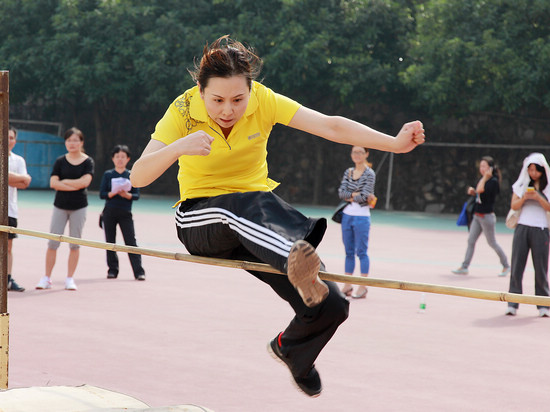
(357, 188)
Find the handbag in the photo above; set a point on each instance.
(462, 218)
(339, 212)
(465, 217)
(512, 218)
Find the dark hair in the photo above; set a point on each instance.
(13, 129)
(496, 170)
(74, 130)
(226, 58)
(543, 182)
(120, 148)
(78, 132)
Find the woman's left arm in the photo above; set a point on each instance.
(342, 130)
(542, 201)
(366, 192)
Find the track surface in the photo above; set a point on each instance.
(196, 334)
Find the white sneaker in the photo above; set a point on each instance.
(460, 271)
(544, 312)
(69, 284)
(44, 283)
(505, 271)
(511, 311)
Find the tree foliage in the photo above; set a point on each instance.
(481, 55)
(118, 58)
(112, 67)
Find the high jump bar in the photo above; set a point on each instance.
(262, 267)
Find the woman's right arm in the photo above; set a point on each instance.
(517, 202)
(158, 157)
(480, 188)
(104, 188)
(343, 192)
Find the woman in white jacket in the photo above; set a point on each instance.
(531, 194)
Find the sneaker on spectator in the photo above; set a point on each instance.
(69, 284)
(309, 384)
(140, 277)
(460, 271)
(44, 283)
(13, 286)
(511, 311)
(505, 271)
(544, 312)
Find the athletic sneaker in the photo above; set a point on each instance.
(310, 384)
(13, 286)
(303, 273)
(511, 311)
(460, 271)
(44, 283)
(505, 271)
(69, 284)
(544, 312)
(140, 277)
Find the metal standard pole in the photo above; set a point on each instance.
(4, 316)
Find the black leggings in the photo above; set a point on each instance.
(261, 227)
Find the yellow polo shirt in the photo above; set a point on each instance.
(235, 164)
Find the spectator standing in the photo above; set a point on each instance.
(531, 194)
(484, 218)
(357, 188)
(119, 195)
(18, 178)
(71, 175)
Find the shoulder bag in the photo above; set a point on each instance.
(512, 218)
(339, 212)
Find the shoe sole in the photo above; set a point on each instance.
(43, 288)
(303, 273)
(281, 361)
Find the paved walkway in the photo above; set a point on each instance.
(196, 334)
